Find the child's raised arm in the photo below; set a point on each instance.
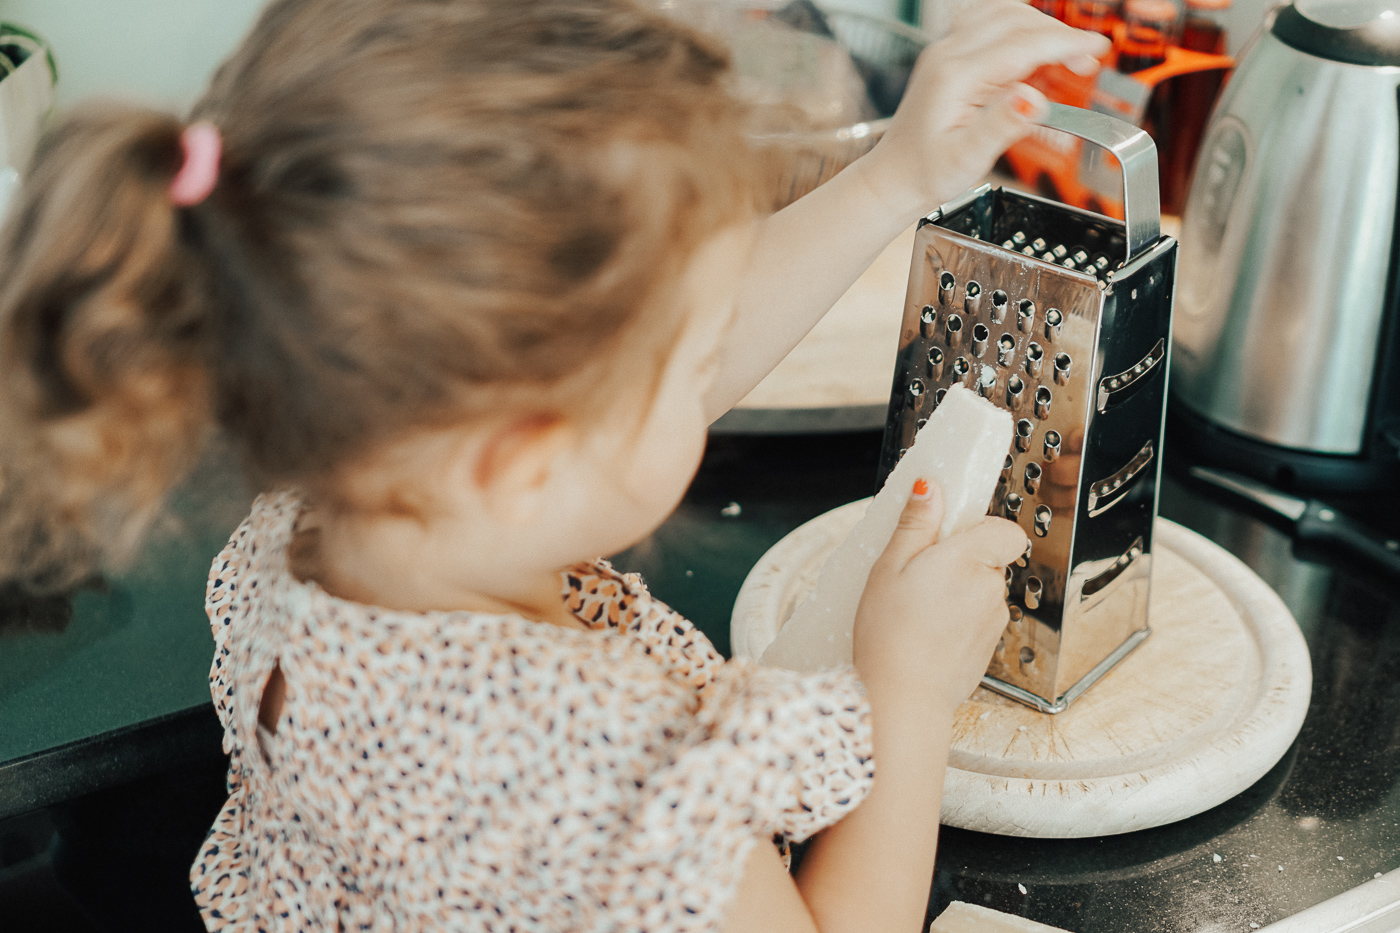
(963, 108)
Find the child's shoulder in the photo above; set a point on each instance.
(261, 614)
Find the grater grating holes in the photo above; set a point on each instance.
(980, 336)
(935, 364)
(1035, 357)
(1042, 402)
(953, 331)
(1031, 479)
(1062, 367)
(928, 322)
(1042, 520)
(1006, 349)
(1024, 430)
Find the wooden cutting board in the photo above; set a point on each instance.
(1199, 712)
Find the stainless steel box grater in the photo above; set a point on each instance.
(1063, 317)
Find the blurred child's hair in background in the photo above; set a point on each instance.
(425, 211)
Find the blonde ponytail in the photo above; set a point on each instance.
(419, 217)
(103, 379)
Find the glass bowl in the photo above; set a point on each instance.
(796, 163)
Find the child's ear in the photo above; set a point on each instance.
(516, 468)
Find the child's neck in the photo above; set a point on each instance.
(397, 564)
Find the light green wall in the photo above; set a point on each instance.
(160, 52)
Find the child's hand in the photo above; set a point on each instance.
(933, 610)
(965, 106)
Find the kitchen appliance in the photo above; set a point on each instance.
(1286, 364)
(1064, 317)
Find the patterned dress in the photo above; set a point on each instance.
(463, 771)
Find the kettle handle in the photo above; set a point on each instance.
(1135, 152)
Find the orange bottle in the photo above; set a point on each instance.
(1099, 16)
(1204, 31)
(1150, 27)
(1193, 98)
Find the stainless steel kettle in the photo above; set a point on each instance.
(1286, 352)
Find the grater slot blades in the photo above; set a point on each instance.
(1118, 484)
(1113, 390)
(1096, 585)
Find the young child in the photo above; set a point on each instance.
(464, 282)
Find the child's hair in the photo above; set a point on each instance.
(425, 208)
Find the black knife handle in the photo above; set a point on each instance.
(1323, 527)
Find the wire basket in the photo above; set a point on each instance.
(796, 163)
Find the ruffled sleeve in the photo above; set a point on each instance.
(778, 752)
(808, 733)
(815, 727)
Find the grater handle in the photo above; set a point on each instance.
(1136, 153)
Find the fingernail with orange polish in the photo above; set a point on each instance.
(920, 489)
(1029, 102)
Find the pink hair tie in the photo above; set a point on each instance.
(200, 171)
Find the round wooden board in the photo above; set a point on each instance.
(1199, 712)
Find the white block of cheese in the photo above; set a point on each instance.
(972, 918)
(963, 447)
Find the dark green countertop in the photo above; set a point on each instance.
(131, 663)
(123, 692)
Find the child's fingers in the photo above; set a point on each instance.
(970, 71)
(993, 542)
(1004, 541)
(918, 524)
(976, 19)
(1006, 120)
(1013, 57)
(1012, 47)
(985, 26)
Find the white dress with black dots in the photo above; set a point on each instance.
(461, 771)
